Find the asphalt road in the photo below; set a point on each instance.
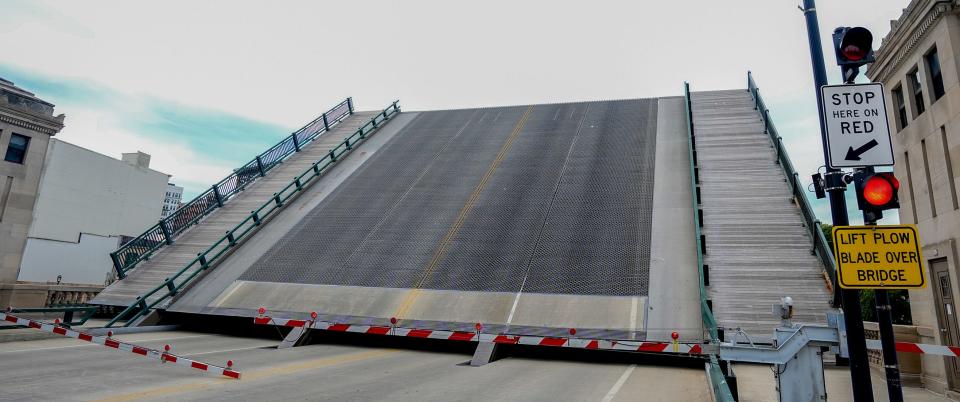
(67, 369)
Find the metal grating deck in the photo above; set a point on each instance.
(550, 198)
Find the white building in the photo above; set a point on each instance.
(86, 201)
(171, 199)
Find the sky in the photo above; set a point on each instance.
(205, 86)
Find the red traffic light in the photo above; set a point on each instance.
(853, 46)
(877, 191)
(853, 53)
(880, 189)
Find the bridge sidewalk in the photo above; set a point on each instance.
(757, 248)
(170, 259)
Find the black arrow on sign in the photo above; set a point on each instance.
(854, 154)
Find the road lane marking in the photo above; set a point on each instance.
(264, 346)
(249, 376)
(441, 250)
(93, 344)
(616, 386)
(546, 217)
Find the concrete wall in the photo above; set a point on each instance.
(86, 201)
(928, 186)
(18, 182)
(83, 262)
(85, 192)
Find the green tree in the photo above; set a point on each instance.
(899, 306)
(827, 230)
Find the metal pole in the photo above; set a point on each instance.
(885, 321)
(850, 298)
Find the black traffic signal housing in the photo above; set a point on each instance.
(853, 46)
(876, 192)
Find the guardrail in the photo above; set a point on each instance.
(165, 232)
(206, 259)
(820, 246)
(721, 390)
(69, 320)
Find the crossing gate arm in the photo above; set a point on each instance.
(164, 356)
(693, 349)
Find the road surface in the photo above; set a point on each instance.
(68, 369)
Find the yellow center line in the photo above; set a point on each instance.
(461, 217)
(248, 376)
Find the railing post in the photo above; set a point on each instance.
(333, 156)
(230, 239)
(117, 265)
(166, 232)
(260, 166)
(296, 143)
(326, 124)
(256, 218)
(779, 147)
(172, 289)
(216, 193)
(276, 198)
(350, 104)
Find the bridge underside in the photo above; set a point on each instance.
(534, 218)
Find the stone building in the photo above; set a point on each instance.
(26, 125)
(918, 64)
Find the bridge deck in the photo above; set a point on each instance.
(523, 217)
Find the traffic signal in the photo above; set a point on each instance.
(853, 46)
(876, 192)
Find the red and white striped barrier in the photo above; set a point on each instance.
(598, 344)
(163, 356)
(920, 348)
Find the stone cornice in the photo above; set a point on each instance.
(908, 31)
(49, 126)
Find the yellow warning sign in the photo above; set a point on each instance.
(878, 257)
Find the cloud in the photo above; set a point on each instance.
(92, 128)
(197, 146)
(285, 65)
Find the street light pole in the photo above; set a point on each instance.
(835, 186)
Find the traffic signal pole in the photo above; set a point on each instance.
(885, 322)
(850, 298)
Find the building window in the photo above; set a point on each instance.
(6, 184)
(913, 198)
(17, 149)
(901, 108)
(913, 79)
(951, 179)
(936, 76)
(926, 172)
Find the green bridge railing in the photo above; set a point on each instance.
(721, 390)
(205, 260)
(166, 231)
(820, 247)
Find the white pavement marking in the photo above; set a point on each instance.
(616, 387)
(229, 350)
(93, 344)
